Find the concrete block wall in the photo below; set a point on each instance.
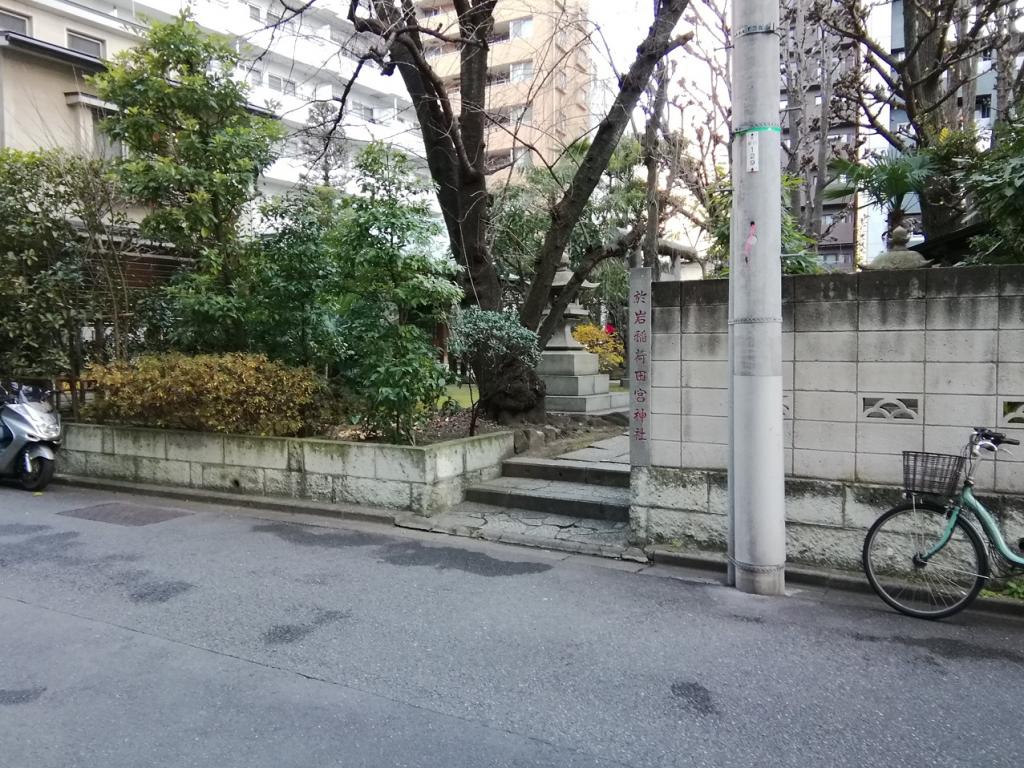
(826, 521)
(874, 363)
(423, 479)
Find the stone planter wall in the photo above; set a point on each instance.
(423, 479)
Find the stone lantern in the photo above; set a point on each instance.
(569, 371)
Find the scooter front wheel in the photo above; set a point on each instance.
(39, 476)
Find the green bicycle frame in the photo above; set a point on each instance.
(968, 501)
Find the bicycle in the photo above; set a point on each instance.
(925, 557)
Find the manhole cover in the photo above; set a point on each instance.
(119, 513)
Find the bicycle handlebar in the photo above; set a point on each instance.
(996, 438)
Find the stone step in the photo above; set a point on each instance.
(554, 497)
(586, 472)
(579, 403)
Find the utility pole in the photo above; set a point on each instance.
(757, 535)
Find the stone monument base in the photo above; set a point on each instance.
(574, 384)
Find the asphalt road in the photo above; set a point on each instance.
(226, 637)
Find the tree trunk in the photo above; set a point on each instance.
(651, 156)
(818, 180)
(460, 181)
(926, 109)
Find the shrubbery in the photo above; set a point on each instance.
(606, 346)
(241, 394)
(496, 343)
(489, 337)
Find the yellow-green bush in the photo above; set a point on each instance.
(238, 393)
(607, 347)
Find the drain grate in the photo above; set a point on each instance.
(120, 513)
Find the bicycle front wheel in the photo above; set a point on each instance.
(935, 588)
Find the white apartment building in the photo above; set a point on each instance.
(47, 47)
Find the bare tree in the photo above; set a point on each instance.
(455, 145)
(652, 159)
(938, 65)
(321, 142)
(1006, 47)
(698, 150)
(815, 78)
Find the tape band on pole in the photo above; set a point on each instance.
(758, 128)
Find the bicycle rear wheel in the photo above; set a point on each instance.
(934, 589)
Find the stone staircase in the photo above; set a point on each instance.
(572, 505)
(578, 489)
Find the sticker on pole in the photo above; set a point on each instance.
(753, 152)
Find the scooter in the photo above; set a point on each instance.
(29, 436)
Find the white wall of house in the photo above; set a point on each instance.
(288, 67)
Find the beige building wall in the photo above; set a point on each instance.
(46, 102)
(36, 112)
(51, 22)
(542, 66)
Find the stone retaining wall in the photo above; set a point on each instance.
(874, 363)
(423, 479)
(825, 521)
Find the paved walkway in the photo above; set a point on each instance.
(611, 450)
(534, 529)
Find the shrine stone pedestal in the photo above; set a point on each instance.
(574, 384)
(570, 373)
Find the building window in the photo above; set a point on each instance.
(255, 13)
(365, 111)
(520, 71)
(90, 46)
(520, 27)
(281, 85)
(983, 105)
(561, 80)
(499, 160)
(103, 146)
(255, 77)
(273, 19)
(12, 22)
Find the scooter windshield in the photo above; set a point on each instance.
(37, 397)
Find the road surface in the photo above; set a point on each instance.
(139, 632)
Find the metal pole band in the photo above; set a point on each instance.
(755, 29)
(755, 320)
(751, 568)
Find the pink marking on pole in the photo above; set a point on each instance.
(751, 241)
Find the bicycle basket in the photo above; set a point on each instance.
(931, 474)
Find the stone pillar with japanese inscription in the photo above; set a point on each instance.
(640, 338)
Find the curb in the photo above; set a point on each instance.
(706, 561)
(295, 506)
(795, 574)
(813, 577)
